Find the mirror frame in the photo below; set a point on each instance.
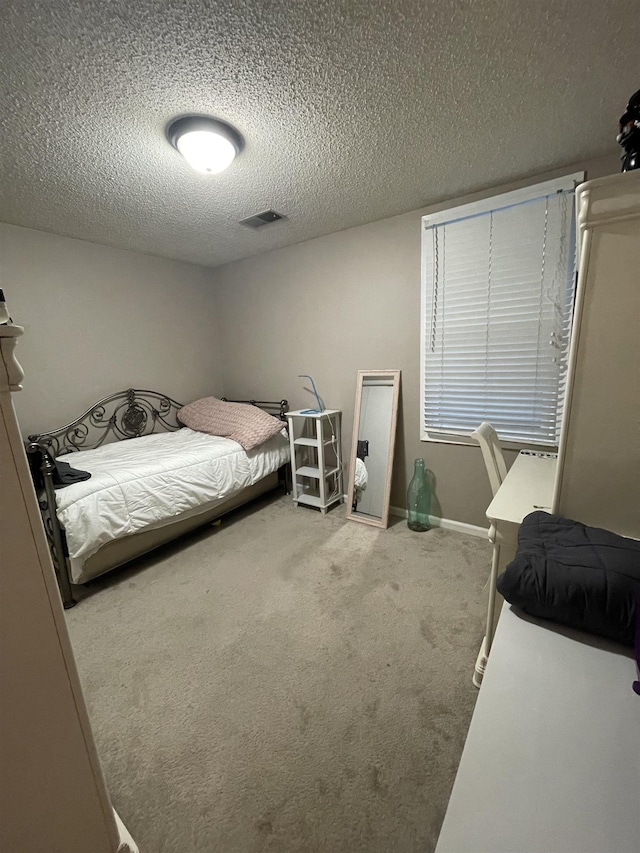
(383, 522)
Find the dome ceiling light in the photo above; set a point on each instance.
(207, 144)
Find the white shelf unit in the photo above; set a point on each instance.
(316, 457)
(598, 474)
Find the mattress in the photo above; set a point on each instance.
(146, 482)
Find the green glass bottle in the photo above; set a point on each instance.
(418, 499)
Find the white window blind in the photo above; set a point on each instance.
(498, 286)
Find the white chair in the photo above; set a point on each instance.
(487, 438)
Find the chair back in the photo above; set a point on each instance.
(487, 438)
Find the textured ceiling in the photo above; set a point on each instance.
(351, 110)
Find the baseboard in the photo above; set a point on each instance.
(446, 523)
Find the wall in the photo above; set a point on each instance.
(344, 302)
(98, 320)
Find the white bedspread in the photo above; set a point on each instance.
(143, 482)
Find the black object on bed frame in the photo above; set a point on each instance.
(127, 414)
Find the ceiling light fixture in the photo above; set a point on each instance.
(207, 144)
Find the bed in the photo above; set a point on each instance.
(152, 480)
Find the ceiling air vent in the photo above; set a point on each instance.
(260, 219)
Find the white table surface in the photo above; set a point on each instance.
(305, 413)
(528, 486)
(552, 759)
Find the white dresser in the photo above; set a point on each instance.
(52, 793)
(598, 475)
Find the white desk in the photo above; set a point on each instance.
(551, 763)
(527, 487)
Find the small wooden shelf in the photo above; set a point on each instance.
(316, 457)
(312, 500)
(308, 471)
(307, 441)
(311, 471)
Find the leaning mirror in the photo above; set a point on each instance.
(374, 433)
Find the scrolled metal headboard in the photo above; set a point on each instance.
(127, 414)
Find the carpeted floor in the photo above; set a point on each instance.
(285, 682)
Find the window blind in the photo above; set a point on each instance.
(498, 288)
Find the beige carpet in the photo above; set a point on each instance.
(285, 682)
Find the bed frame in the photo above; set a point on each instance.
(126, 414)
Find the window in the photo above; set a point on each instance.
(498, 281)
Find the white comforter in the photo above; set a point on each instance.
(143, 482)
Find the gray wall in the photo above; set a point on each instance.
(341, 303)
(98, 320)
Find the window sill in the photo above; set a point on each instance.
(465, 440)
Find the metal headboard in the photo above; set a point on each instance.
(127, 414)
(278, 410)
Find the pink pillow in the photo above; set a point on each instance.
(242, 422)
